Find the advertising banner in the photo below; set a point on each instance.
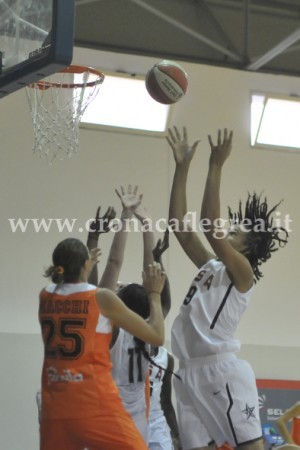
(275, 397)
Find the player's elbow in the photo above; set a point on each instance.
(158, 339)
(159, 342)
(115, 262)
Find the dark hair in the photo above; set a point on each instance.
(135, 298)
(68, 258)
(262, 238)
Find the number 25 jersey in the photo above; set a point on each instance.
(76, 376)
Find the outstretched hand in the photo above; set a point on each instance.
(161, 246)
(182, 151)
(95, 254)
(130, 200)
(101, 224)
(141, 213)
(221, 151)
(154, 278)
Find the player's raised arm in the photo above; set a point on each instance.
(232, 256)
(98, 226)
(183, 154)
(142, 214)
(159, 249)
(289, 414)
(130, 201)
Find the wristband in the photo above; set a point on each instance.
(153, 292)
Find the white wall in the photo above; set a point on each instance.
(73, 188)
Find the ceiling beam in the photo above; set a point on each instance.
(246, 17)
(275, 51)
(187, 30)
(205, 8)
(282, 9)
(85, 2)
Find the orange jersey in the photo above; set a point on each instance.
(76, 378)
(295, 432)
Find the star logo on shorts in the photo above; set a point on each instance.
(249, 411)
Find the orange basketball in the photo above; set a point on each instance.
(166, 82)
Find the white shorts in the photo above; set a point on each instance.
(217, 400)
(135, 405)
(142, 425)
(159, 435)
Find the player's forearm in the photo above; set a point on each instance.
(166, 298)
(156, 319)
(92, 242)
(282, 428)
(166, 292)
(93, 277)
(116, 255)
(149, 244)
(178, 202)
(210, 208)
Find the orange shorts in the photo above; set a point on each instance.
(112, 432)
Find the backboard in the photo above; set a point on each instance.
(36, 40)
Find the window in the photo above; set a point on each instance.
(123, 104)
(275, 121)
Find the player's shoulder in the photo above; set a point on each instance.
(48, 289)
(42, 291)
(161, 353)
(212, 262)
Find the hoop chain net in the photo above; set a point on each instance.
(57, 105)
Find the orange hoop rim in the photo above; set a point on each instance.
(71, 69)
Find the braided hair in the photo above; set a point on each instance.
(262, 237)
(141, 346)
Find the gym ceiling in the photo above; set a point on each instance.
(251, 35)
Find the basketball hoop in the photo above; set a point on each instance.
(57, 105)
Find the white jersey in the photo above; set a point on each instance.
(130, 370)
(209, 315)
(156, 381)
(159, 431)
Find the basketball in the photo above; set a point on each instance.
(166, 82)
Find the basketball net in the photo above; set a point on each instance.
(57, 105)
